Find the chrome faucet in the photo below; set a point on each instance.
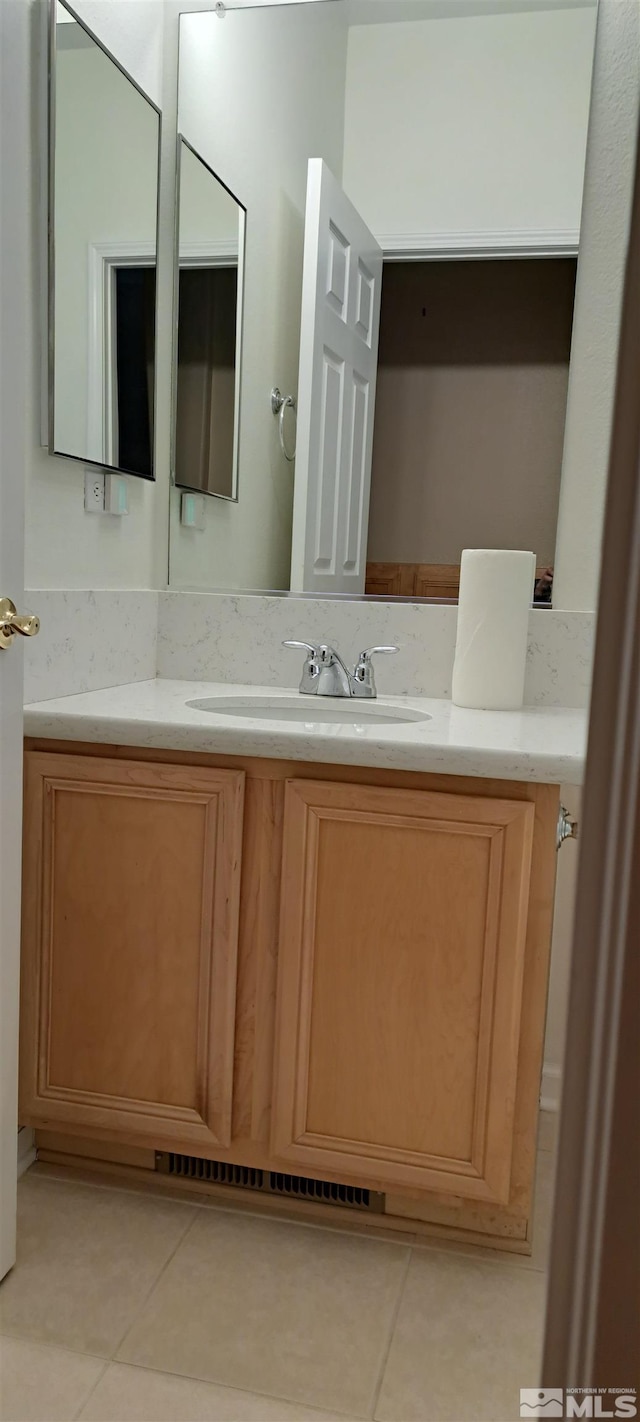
(325, 674)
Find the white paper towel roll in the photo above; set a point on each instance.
(496, 591)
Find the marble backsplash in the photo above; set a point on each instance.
(221, 637)
(90, 640)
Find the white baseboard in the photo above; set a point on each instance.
(550, 1088)
(26, 1149)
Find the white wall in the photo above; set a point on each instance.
(132, 30)
(259, 93)
(613, 126)
(208, 213)
(496, 107)
(64, 546)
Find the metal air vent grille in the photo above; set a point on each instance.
(299, 1187)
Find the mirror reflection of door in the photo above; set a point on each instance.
(104, 156)
(341, 294)
(209, 295)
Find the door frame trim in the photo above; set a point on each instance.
(592, 1315)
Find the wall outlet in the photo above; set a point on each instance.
(93, 491)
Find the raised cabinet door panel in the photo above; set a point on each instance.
(402, 940)
(130, 935)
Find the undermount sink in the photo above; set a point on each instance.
(323, 711)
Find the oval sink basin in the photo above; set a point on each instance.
(317, 710)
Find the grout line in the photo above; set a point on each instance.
(79, 1411)
(234, 1387)
(154, 1285)
(48, 1347)
(44, 1343)
(461, 1249)
(481, 1253)
(387, 1349)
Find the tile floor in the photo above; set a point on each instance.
(125, 1307)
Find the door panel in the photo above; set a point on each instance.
(400, 979)
(342, 283)
(130, 942)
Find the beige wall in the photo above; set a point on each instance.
(470, 408)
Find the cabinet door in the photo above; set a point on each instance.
(131, 887)
(401, 954)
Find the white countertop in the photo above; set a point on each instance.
(544, 744)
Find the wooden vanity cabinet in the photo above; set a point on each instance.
(401, 957)
(130, 930)
(328, 971)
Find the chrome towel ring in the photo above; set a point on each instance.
(279, 404)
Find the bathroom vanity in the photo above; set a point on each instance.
(293, 955)
(302, 951)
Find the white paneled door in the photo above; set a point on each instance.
(341, 290)
(14, 251)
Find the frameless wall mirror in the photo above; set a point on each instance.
(103, 197)
(210, 259)
(414, 184)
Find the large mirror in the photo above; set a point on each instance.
(413, 176)
(104, 163)
(210, 253)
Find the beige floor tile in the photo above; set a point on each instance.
(87, 1259)
(137, 1395)
(273, 1308)
(468, 1337)
(40, 1384)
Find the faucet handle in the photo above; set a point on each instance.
(370, 652)
(303, 646)
(311, 668)
(363, 674)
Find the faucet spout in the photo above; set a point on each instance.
(334, 678)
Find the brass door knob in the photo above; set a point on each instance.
(12, 625)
